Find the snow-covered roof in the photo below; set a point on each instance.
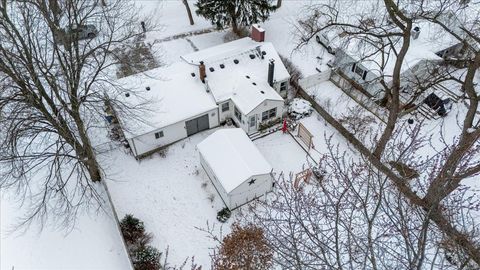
(432, 39)
(245, 82)
(233, 157)
(174, 96)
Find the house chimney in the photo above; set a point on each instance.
(201, 71)
(258, 33)
(415, 32)
(271, 70)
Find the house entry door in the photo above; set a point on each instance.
(252, 124)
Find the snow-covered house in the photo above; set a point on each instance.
(243, 80)
(236, 168)
(176, 106)
(246, 78)
(364, 65)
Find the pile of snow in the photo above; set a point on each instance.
(300, 108)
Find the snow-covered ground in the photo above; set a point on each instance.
(171, 194)
(174, 197)
(94, 242)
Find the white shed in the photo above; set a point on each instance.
(236, 168)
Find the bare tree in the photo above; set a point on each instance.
(55, 66)
(353, 218)
(388, 31)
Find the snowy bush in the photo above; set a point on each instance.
(132, 228)
(223, 215)
(299, 108)
(146, 258)
(133, 232)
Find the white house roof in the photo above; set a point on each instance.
(431, 40)
(231, 81)
(233, 157)
(174, 96)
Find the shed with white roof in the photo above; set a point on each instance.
(235, 166)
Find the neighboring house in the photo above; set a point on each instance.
(238, 171)
(358, 63)
(244, 80)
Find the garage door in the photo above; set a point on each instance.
(196, 125)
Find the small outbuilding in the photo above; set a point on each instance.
(236, 168)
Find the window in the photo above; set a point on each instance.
(238, 114)
(225, 106)
(159, 134)
(269, 114)
(359, 71)
(283, 86)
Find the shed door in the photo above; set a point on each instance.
(196, 125)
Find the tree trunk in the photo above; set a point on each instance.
(234, 26)
(279, 3)
(189, 12)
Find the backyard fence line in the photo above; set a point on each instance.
(314, 79)
(117, 222)
(106, 147)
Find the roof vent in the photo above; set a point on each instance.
(193, 74)
(211, 69)
(235, 61)
(262, 92)
(147, 88)
(222, 66)
(127, 94)
(252, 56)
(248, 77)
(254, 83)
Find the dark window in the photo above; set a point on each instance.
(364, 75)
(354, 66)
(283, 86)
(225, 107)
(238, 114)
(158, 135)
(359, 70)
(269, 114)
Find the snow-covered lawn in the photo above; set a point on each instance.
(282, 152)
(334, 100)
(94, 242)
(171, 194)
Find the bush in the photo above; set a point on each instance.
(132, 229)
(146, 258)
(265, 125)
(244, 248)
(223, 215)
